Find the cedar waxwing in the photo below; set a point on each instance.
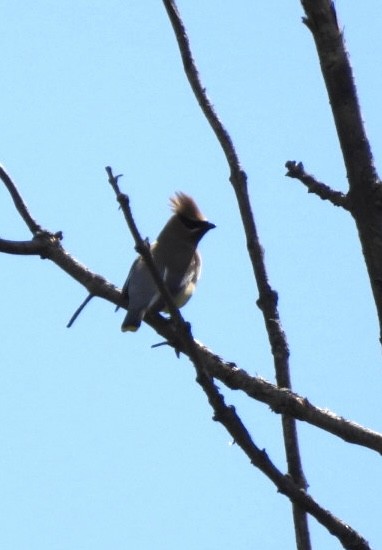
(176, 258)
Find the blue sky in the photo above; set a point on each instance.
(104, 442)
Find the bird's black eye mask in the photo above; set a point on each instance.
(191, 224)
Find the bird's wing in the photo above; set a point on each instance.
(183, 284)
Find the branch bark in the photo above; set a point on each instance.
(280, 400)
(365, 189)
(365, 194)
(267, 301)
(226, 415)
(296, 170)
(209, 366)
(20, 205)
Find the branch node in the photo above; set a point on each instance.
(268, 299)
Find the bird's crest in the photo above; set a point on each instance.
(184, 205)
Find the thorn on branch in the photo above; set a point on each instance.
(168, 343)
(159, 344)
(79, 309)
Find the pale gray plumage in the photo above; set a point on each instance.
(176, 258)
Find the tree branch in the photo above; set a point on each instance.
(19, 203)
(365, 188)
(280, 400)
(267, 296)
(228, 417)
(296, 170)
(34, 247)
(143, 248)
(321, 19)
(48, 245)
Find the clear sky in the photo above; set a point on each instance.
(104, 442)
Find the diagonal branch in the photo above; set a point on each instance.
(280, 400)
(227, 415)
(46, 246)
(143, 248)
(296, 170)
(285, 484)
(21, 207)
(267, 296)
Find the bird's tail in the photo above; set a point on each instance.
(132, 321)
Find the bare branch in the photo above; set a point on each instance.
(19, 203)
(321, 19)
(22, 248)
(364, 184)
(280, 400)
(48, 245)
(296, 170)
(143, 248)
(268, 297)
(196, 85)
(227, 416)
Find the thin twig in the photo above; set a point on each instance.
(79, 310)
(143, 248)
(296, 170)
(21, 207)
(268, 297)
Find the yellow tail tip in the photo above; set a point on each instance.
(129, 328)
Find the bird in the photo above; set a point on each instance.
(176, 258)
